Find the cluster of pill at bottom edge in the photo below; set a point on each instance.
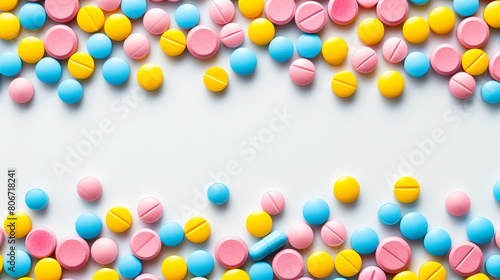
(203, 42)
(392, 254)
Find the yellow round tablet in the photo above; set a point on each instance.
(81, 65)
(415, 30)
(10, 26)
(335, 50)
(7, 5)
(391, 84)
(1, 262)
(31, 49)
(106, 274)
(26, 278)
(406, 189)
(491, 14)
(197, 229)
(478, 276)
(441, 20)
(173, 42)
(174, 268)
(371, 31)
(48, 269)
(251, 8)
(475, 62)
(259, 223)
(406, 275)
(117, 27)
(215, 79)
(17, 225)
(348, 263)
(235, 274)
(344, 84)
(346, 189)
(432, 271)
(320, 264)
(261, 31)
(90, 18)
(150, 76)
(118, 219)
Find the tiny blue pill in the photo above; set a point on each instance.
(133, 8)
(466, 8)
(413, 226)
(243, 61)
(70, 91)
(21, 265)
(36, 199)
(437, 242)
(48, 70)
(187, 16)
(200, 263)
(493, 265)
(88, 225)
(261, 271)
(115, 71)
(419, 2)
(364, 240)
(309, 45)
(99, 46)
(417, 64)
(218, 193)
(496, 190)
(32, 16)
(389, 214)
(171, 234)
(480, 230)
(316, 211)
(491, 92)
(11, 64)
(281, 49)
(130, 266)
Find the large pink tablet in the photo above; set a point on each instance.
(392, 12)
(231, 252)
(104, 250)
(300, 236)
(41, 243)
(372, 273)
(333, 233)
(145, 244)
(203, 41)
(60, 42)
(221, 11)
(302, 71)
(72, 252)
(494, 67)
(367, 3)
(393, 254)
(232, 35)
(136, 46)
(343, 11)
(147, 276)
(280, 12)
(466, 258)
(89, 188)
(21, 90)
(156, 21)
(446, 59)
(150, 209)
(473, 32)
(272, 202)
(395, 50)
(109, 5)
(62, 10)
(364, 60)
(288, 264)
(310, 17)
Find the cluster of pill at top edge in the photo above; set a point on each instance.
(203, 42)
(392, 254)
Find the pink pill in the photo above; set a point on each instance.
(157, 1)
(104, 250)
(446, 59)
(466, 258)
(333, 233)
(147, 276)
(473, 32)
(145, 244)
(494, 67)
(231, 252)
(462, 85)
(60, 42)
(305, 278)
(300, 236)
(89, 188)
(272, 202)
(364, 60)
(2, 238)
(497, 238)
(72, 252)
(150, 209)
(310, 17)
(62, 10)
(395, 50)
(41, 243)
(156, 21)
(302, 71)
(203, 41)
(372, 273)
(367, 3)
(109, 5)
(232, 35)
(136, 46)
(288, 264)
(221, 11)
(343, 11)
(21, 90)
(280, 12)
(392, 12)
(393, 254)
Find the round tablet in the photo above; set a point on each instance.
(70, 91)
(231, 252)
(200, 263)
(216, 80)
(309, 45)
(393, 254)
(251, 8)
(156, 21)
(197, 230)
(11, 64)
(466, 8)
(31, 49)
(489, 14)
(466, 258)
(145, 244)
(406, 275)
(218, 193)
(288, 264)
(497, 238)
(458, 203)
(261, 31)
(344, 84)
(364, 60)
(417, 64)
(32, 16)
(392, 12)
(104, 250)
(171, 234)
(389, 214)
(118, 27)
(36, 199)
(149, 276)
(371, 31)
(72, 252)
(364, 240)
(243, 61)
(109, 5)
(150, 209)
(89, 188)
(60, 42)
(259, 223)
(133, 9)
(62, 11)
(491, 92)
(130, 266)
(493, 265)
(235, 274)
(302, 71)
(203, 42)
(187, 16)
(136, 46)
(232, 35)
(446, 59)
(406, 189)
(280, 12)
(437, 242)
(150, 76)
(22, 264)
(8, 5)
(221, 11)
(81, 65)
(99, 46)
(2, 239)
(320, 264)
(21, 90)
(300, 236)
(391, 84)
(462, 85)
(432, 270)
(333, 233)
(473, 33)
(480, 230)
(334, 50)
(273, 202)
(23, 224)
(261, 271)
(105, 274)
(475, 62)
(48, 70)
(316, 211)
(441, 20)
(90, 18)
(310, 17)
(11, 26)
(88, 225)
(174, 268)
(281, 49)
(348, 263)
(413, 226)
(118, 219)
(47, 269)
(346, 189)
(395, 50)
(40, 242)
(416, 30)
(173, 42)
(343, 12)
(494, 66)
(116, 71)
(372, 273)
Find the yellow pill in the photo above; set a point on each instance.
(334, 50)
(391, 84)
(475, 62)
(150, 76)
(10, 26)
(81, 65)
(173, 42)
(259, 223)
(106, 274)
(48, 269)
(17, 225)
(1, 263)
(432, 271)
(320, 264)
(348, 263)
(261, 31)
(251, 8)
(197, 229)
(406, 275)
(441, 20)
(416, 30)
(31, 49)
(235, 274)
(346, 189)
(118, 219)
(478, 276)
(90, 18)
(7, 5)
(215, 79)
(117, 27)
(174, 268)
(491, 14)
(26, 278)
(406, 189)
(371, 31)
(344, 84)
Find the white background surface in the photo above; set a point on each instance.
(169, 144)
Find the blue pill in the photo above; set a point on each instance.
(480, 230)
(115, 71)
(466, 8)
(218, 193)
(316, 211)
(36, 199)
(281, 49)
(133, 8)
(32, 16)
(130, 266)
(99, 46)
(88, 225)
(267, 245)
(364, 240)
(261, 271)
(171, 234)
(491, 92)
(437, 242)
(413, 226)
(309, 45)
(48, 70)
(496, 190)
(493, 265)
(11, 64)
(419, 2)
(70, 91)
(389, 214)
(22, 265)
(417, 64)
(243, 61)
(187, 16)
(200, 263)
